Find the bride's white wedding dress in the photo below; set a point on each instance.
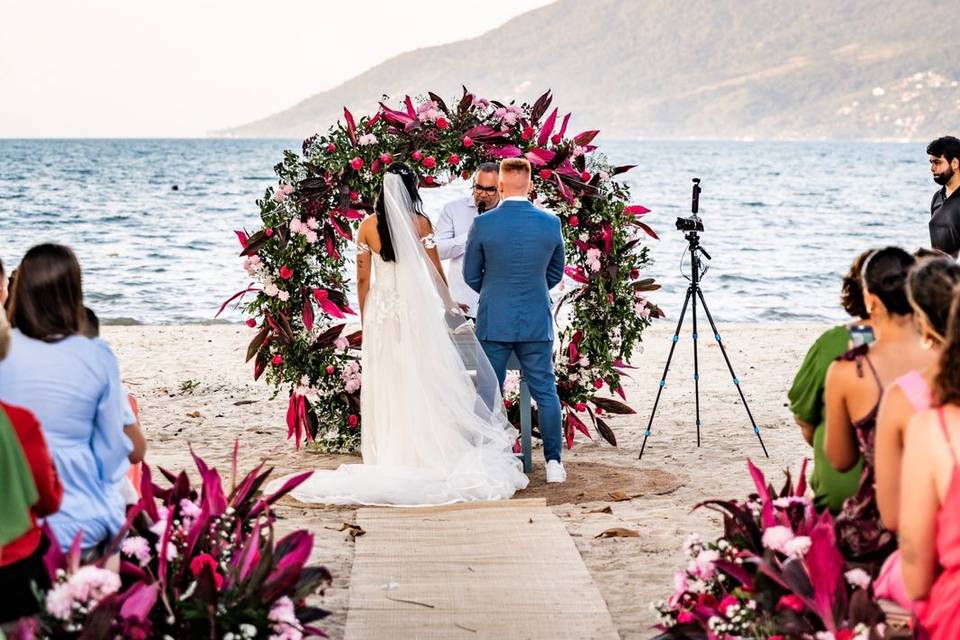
(433, 432)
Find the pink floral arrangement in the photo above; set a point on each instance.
(776, 573)
(298, 257)
(194, 563)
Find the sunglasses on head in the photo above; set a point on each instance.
(477, 187)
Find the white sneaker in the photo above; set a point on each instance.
(555, 472)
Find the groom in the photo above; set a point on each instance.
(513, 257)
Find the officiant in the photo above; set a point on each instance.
(454, 225)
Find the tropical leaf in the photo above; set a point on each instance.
(611, 405)
(605, 431)
(257, 342)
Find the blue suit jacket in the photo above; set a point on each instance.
(513, 257)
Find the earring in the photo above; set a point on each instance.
(927, 344)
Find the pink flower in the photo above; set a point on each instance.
(341, 344)
(375, 166)
(598, 384)
(798, 547)
(725, 604)
(277, 360)
(684, 617)
(442, 123)
(330, 369)
(367, 139)
(354, 196)
(790, 601)
(206, 560)
(429, 162)
(251, 322)
(285, 272)
(279, 196)
(287, 188)
(598, 411)
(585, 176)
(775, 538)
(417, 156)
(386, 158)
(136, 547)
(454, 159)
(59, 602)
(268, 232)
(573, 221)
(311, 236)
(283, 296)
(467, 141)
(545, 174)
(556, 138)
(357, 163)
(353, 420)
(581, 407)
(331, 148)
(858, 578)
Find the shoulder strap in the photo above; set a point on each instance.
(874, 372)
(916, 389)
(946, 434)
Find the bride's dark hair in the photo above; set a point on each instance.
(383, 228)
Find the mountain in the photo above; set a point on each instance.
(817, 69)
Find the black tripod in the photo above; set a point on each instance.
(693, 226)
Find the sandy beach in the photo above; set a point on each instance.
(195, 391)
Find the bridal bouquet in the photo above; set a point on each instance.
(195, 562)
(775, 573)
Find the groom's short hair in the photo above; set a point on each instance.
(515, 165)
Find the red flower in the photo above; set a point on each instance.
(585, 176)
(268, 232)
(465, 175)
(206, 560)
(285, 272)
(581, 407)
(375, 166)
(354, 196)
(417, 156)
(545, 174)
(454, 159)
(726, 603)
(527, 133)
(634, 273)
(684, 617)
(356, 163)
(330, 370)
(573, 221)
(598, 384)
(428, 180)
(467, 141)
(353, 420)
(792, 602)
(599, 410)
(277, 360)
(251, 322)
(331, 148)
(556, 139)
(843, 634)
(442, 123)
(429, 162)
(386, 158)
(707, 600)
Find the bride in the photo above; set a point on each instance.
(433, 431)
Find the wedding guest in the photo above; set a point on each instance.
(4, 286)
(30, 489)
(72, 385)
(454, 225)
(930, 498)
(944, 156)
(830, 487)
(854, 389)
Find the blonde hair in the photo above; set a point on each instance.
(516, 165)
(4, 335)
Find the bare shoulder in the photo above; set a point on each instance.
(922, 425)
(424, 225)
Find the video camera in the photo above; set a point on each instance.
(692, 223)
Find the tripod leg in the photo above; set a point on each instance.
(696, 365)
(736, 380)
(666, 368)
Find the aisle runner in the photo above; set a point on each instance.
(483, 570)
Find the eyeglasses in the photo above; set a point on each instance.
(477, 187)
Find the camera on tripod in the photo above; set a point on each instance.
(692, 223)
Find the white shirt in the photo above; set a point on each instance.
(451, 237)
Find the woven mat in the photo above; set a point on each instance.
(482, 570)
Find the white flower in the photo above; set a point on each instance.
(783, 503)
(59, 602)
(798, 547)
(296, 226)
(858, 578)
(248, 631)
(692, 544)
(312, 223)
(136, 547)
(776, 538)
(311, 236)
(283, 296)
(367, 138)
(271, 289)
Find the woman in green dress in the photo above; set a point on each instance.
(830, 487)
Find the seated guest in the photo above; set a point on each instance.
(854, 388)
(930, 289)
(30, 489)
(830, 487)
(930, 499)
(72, 385)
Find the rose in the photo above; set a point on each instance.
(352, 420)
(285, 272)
(465, 175)
(527, 133)
(206, 560)
(429, 162)
(251, 322)
(277, 360)
(467, 141)
(386, 158)
(545, 174)
(574, 221)
(331, 148)
(598, 411)
(792, 602)
(556, 139)
(268, 232)
(598, 384)
(585, 176)
(356, 163)
(417, 156)
(581, 407)
(330, 370)
(454, 159)
(442, 123)
(354, 196)
(428, 180)
(634, 274)
(375, 166)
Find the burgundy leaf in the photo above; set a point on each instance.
(307, 313)
(351, 126)
(238, 294)
(547, 128)
(585, 138)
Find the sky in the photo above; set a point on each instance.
(183, 68)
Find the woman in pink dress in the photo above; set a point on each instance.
(930, 499)
(930, 289)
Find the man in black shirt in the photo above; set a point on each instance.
(945, 208)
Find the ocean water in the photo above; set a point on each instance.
(783, 219)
